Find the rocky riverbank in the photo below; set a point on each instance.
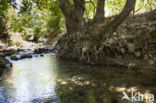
(18, 54)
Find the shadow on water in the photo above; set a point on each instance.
(51, 80)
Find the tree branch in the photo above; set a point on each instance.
(130, 5)
(91, 3)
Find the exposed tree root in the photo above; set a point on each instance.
(129, 46)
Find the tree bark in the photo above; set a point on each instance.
(129, 7)
(99, 16)
(73, 15)
(79, 7)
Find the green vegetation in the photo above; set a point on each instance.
(41, 18)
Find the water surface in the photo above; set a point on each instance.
(51, 80)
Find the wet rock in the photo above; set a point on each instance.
(14, 57)
(23, 56)
(42, 50)
(36, 51)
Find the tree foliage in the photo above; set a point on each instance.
(41, 17)
(46, 15)
(3, 19)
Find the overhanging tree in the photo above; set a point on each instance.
(85, 41)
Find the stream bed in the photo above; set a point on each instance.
(48, 79)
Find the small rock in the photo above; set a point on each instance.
(42, 50)
(23, 56)
(14, 57)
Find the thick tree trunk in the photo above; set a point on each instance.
(88, 44)
(99, 17)
(73, 14)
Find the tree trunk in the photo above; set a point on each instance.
(86, 44)
(99, 16)
(73, 15)
(130, 5)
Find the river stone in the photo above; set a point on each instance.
(14, 57)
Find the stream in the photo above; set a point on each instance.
(49, 79)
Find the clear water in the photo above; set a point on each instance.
(51, 80)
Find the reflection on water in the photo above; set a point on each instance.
(30, 80)
(50, 80)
